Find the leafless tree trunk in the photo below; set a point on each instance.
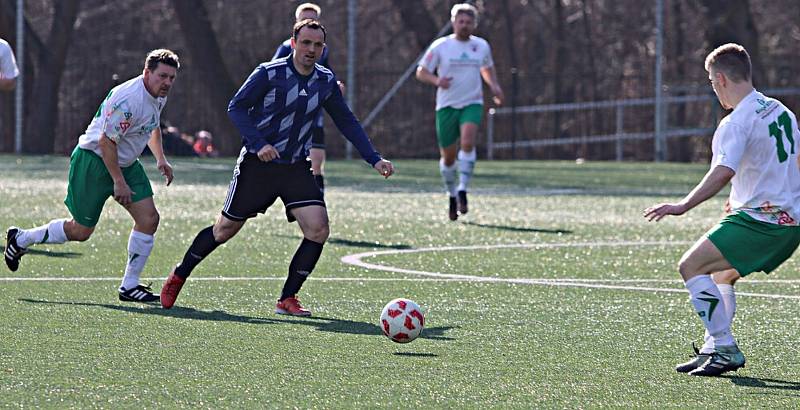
(50, 59)
(418, 20)
(731, 21)
(205, 52)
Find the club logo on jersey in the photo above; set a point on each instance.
(764, 105)
(128, 115)
(124, 125)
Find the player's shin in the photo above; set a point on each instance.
(466, 165)
(52, 232)
(303, 262)
(139, 247)
(707, 301)
(201, 247)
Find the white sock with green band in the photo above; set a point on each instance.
(729, 299)
(449, 177)
(466, 164)
(52, 232)
(708, 302)
(139, 247)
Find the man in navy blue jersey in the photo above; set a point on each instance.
(274, 111)
(317, 151)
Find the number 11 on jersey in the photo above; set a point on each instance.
(775, 131)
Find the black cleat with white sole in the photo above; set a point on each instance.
(140, 293)
(13, 251)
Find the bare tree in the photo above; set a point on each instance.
(205, 53)
(49, 61)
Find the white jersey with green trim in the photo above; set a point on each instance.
(759, 141)
(461, 60)
(127, 116)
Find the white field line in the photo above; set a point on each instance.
(356, 260)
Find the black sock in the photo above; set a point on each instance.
(320, 182)
(302, 264)
(202, 246)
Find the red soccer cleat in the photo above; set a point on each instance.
(171, 289)
(291, 306)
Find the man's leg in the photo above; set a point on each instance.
(204, 243)
(447, 134)
(54, 232)
(696, 267)
(140, 244)
(725, 281)
(467, 156)
(313, 221)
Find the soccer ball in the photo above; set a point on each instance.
(402, 320)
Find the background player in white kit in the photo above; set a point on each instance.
(755, 149)
(105, 163)
(8, 67)
(455, 65)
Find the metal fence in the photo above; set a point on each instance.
(618, 108)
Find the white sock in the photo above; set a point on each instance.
(706, 298)
(729, 298)
(52, 232)
(139, 247)
(449, 177)
(466, 163)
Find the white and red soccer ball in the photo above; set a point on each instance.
(402, 320)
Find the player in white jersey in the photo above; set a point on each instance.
(455, 65)
(8, 67)
(105, 163)
(754, 149)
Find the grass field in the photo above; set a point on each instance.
(552, 292)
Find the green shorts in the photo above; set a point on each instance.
(750, 245)
(449, 121)
(90, 185)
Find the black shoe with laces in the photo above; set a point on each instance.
(452, 212)
(697, 360)
(462, 202)
(724, 359)
(140, 293)
(13, 251)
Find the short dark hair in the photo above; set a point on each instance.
(163, 56)
(731, 59)
(310, 23)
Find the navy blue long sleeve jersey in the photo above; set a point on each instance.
(277, 106)
(285, 49)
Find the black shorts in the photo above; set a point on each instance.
(256, 185)
(318, 133)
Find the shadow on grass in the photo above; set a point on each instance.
(50, 254)
(763, 383)
(517, 228)
(354, 244)
(323, 324)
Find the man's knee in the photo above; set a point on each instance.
(151, 220)
(77, 232)
(318, 233)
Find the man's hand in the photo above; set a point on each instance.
(123, 193)
(656, 212)
(268, 153)
(166, 170)
(444, 82)
(384, 168)
(498, 95)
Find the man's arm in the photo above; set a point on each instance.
(122, 192)
(714, 180)
(489, 75)
(427, 77)
(249, 95)
(157, 148)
